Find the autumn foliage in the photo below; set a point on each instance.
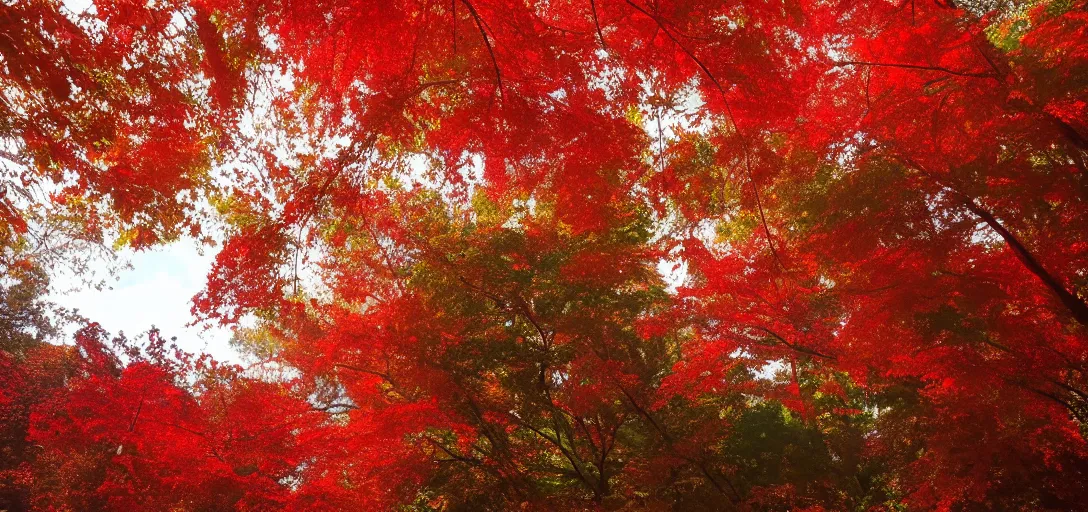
(558, 255)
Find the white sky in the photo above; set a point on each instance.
(156, 292)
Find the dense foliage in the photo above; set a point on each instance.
(556, 254)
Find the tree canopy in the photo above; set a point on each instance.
(555, 255)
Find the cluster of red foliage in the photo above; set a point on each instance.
(446, 219)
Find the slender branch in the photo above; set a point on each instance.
(732, 119)
(132, 425)
(453, 456)
(1072, 302)
(1069, 407)
(795, 347)
(558, 443)
(597, 23)
(920, 67)
(453, 24)
(1075, 304)
(669, 441)
(345, 157)
(487, 43)
(384, 376)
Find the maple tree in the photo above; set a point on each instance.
(586, 255)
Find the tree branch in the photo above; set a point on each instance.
(487, 43)
(919, 67)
